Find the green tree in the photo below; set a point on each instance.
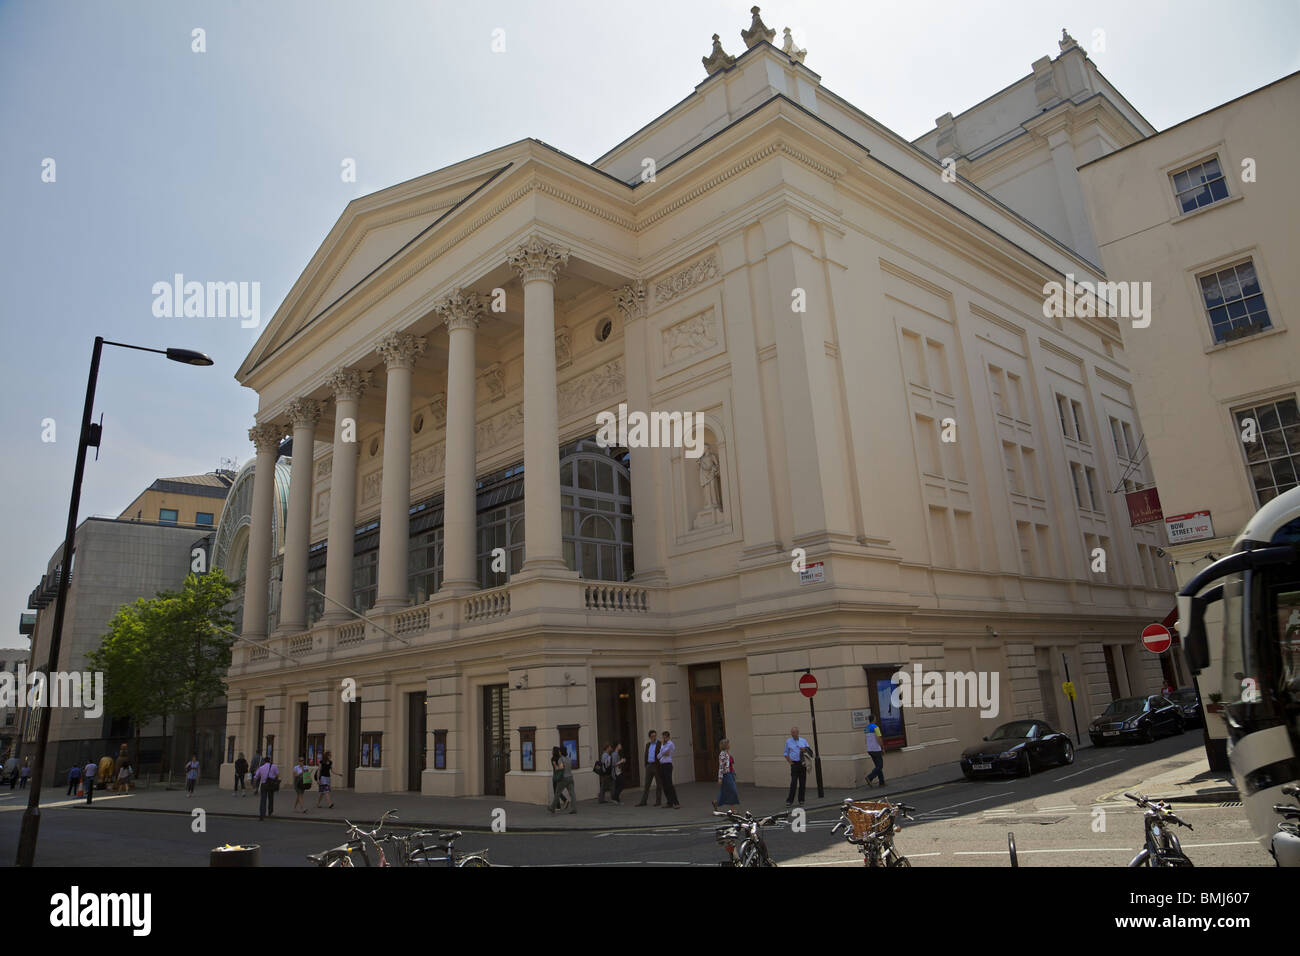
(133, 687)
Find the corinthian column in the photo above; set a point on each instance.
(400, 350)
(537, 263)
(303, 413)
(646, 552)
(348, 387)
(461, 312)
(257, 578)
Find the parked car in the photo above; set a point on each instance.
(1189, 705)
(1019, 747)
(1136, 718)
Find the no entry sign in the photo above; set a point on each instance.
(1156, 638)
(808, 685)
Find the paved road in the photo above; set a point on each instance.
(1053, 814)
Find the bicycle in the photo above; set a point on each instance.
(1162, 847)
(870, 826)
(445, 842)
(347, 854)
(743, 838)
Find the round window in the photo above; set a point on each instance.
(603, 329)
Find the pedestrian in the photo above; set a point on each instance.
(728, 795)
(620, 763)
(267, 780)
(124, 778)
(562, 779)
(74, 778)
(652, 770)
(875, 750)
(241, 768)
(301, 783)
(326, 771)
(794, 751)
(11, 769)
(191, 774)
(88, 780)
(605, 770)
(666, 773)
(25, 774)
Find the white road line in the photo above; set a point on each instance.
(1020, 852)
(66, 803)
(991, 796)
(1068, 806)
(1201, 846)
(1085, 770)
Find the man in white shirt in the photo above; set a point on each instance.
(794, 751)
(666, 772)
(88, 773)
(267, 772)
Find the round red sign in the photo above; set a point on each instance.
(808, 685)
(1156, 638)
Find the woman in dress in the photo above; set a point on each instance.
(728, 795)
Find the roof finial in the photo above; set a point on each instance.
(790, 50)
(1066, 42)
(757, 32)
(717, 60)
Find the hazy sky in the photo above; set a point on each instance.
(225, 165)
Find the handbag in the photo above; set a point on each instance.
(807, 759)
(271, 784)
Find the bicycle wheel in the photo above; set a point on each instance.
(900, 861)
(341, 859)
(474, 861)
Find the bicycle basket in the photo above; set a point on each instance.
(870, 818)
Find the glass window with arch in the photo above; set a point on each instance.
(424, 565)
(596, 511)
(500, 528)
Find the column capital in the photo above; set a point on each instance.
(303, 412)
(631, 300)
(347, 383)
(538, 259)
(400, 349)
(266, 437)
(461, 310)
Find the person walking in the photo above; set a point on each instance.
(124, 778)
(301, 783)
(562, 778)
(11, 769)
(267, 779)
(666, 772)
(728, 795)
(326, 770)
(241, 768)
(191, 774)
(25, 773)
(74, 778)
(605, 770)
(88, 780)
(652, 770)
(794, 751)
(875, 750)
(620, 763)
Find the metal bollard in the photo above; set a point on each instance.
(250, 855)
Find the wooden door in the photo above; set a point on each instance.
(707, 724)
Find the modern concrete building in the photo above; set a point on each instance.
(882, 401)
(1207, 212)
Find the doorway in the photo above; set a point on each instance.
(496, 738)
(1047, 687)
(302, 730)
(707, 725)
(354, 741)
(416, 738)
(616, 723)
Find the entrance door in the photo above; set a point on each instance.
(616, 723)
(496, 738)
(1047, 686)
(416, 738)
(354, 741)
(707, 727)
(302, 729)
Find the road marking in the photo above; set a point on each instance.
(1085, 770)
(1020, 852)
(1067, 806)
(992, 796)
(1201, 846)
(67, 803)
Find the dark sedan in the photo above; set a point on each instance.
(1020, 747)
(1189, 705)
(1136, 718)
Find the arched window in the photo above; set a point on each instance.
(596, 515)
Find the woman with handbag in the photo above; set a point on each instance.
(267, 779)
(301, 783)
(562, 778)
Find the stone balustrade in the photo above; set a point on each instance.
(615, 597)
(488, 604)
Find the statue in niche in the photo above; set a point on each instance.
(710, 484)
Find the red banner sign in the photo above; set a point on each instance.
(1143, 507)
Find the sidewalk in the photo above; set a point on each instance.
(476, 813)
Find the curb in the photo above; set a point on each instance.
(1204, 796)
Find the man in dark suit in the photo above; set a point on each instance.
(652, 770)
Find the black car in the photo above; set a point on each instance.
(1020, 747)
(1136, 718)
(1189, 705)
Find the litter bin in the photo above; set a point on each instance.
(250, 855)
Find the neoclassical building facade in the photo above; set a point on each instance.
(468, 578)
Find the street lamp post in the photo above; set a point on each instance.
(32, 815)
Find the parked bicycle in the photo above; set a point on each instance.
(870, 826)
(1284, 847)
(423, 849)
(357, 851)
(743, 839)
(1162, 847)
